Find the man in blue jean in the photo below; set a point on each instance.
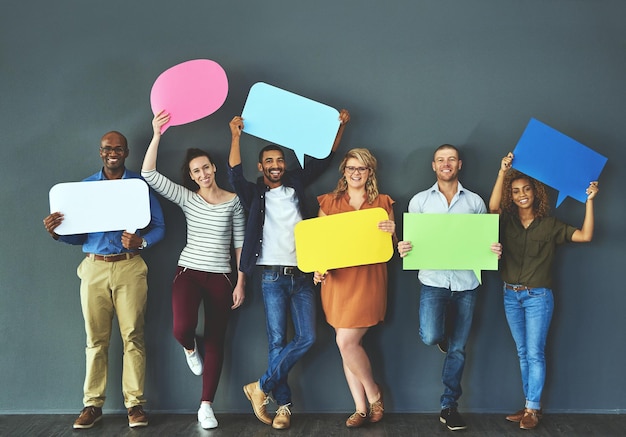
(448, 297)
(274, 205)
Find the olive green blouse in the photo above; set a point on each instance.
(528, 253)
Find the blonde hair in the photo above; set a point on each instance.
(371, 185)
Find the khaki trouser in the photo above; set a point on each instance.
(106, 288)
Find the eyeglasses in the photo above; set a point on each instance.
(351, 169)
(117, 150)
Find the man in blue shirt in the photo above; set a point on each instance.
(274, 205)
(448, 297)
(113, 280)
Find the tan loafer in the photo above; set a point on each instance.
(259, 400)
(357, 420)
(282, 420)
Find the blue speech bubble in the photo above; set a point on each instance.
(557, 160)
(287, 119)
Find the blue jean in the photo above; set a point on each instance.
(435, 304)
(529, 313)
(282, 294)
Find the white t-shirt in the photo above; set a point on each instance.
(281, 215)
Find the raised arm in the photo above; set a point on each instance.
(149, 160)
(344, 117)
(236, 126)
(585, 234)
(496, 193)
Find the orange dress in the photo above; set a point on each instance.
(355, 297)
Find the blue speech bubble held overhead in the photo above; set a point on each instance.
(287, 119)
(557, 160)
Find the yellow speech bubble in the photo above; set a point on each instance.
(342, 240)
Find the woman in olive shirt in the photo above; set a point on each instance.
(529, 238)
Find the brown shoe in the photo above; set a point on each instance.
(88, 416)
(282, 420)
(357, 420)
(137, 417)
(517, 416)
(530, 419)
(259, 400)
(376, 410)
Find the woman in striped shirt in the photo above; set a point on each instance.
(215, 219)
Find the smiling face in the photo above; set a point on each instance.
(356, 173)
(113, 152)
(202, 171)
(446, 164)
(272, 166)
(522, 193)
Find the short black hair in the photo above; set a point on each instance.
(267, 149)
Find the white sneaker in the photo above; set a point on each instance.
(194, 360)
(206, 417)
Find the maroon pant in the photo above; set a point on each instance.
(190, 287)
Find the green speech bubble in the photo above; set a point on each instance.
(451, 242)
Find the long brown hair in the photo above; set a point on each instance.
(371, 185)
(541, 205)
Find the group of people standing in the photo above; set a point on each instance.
(258, 220)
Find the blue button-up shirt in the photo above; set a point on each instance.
(109, 243)
(433, 201)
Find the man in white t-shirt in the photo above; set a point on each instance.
(274, 205)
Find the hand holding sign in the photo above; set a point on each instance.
(342, 240)
(189, 91)
(86, 206)
(556, 160)
(303, 125)
(451, 242)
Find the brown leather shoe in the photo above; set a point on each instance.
(137, 416)
(517, 416)
(88, 417)
(259, 400)
(376, 410)
(282, 420)
(530, 419)
(357, 420)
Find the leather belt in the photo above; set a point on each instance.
(284, 270)
(517, 288)
(112, 258)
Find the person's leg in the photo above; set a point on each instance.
(130, 295)
(432, 310)
(276, 304)
(97, 308)
(516, 319)
(464, 303)
(217, 302)
(538, 305)
(301, 301)
(357, 367)
(186, 297)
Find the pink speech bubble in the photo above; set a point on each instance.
(189, 91)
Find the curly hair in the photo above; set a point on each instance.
(541, 206)
(192, 154)
(371, 185)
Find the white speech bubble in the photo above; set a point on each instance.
(101, 206)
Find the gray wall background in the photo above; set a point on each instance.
(414, 74)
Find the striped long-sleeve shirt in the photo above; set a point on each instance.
(210, 228)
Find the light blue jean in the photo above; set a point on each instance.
(282, 295)
(529, 313)
(435, 304)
